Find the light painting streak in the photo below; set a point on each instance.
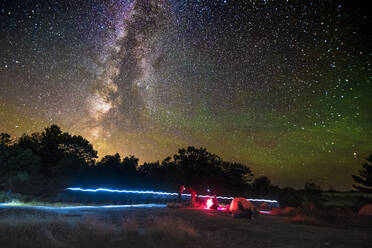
(160, 193)
(265, 212)
(21, 205)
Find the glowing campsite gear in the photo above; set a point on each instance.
(208, 203)
(234, 206)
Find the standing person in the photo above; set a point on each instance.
(180, 191)
(215, 202)
(193, 196)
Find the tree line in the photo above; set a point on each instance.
(45, 163)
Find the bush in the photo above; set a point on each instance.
(289, 197)
(6, 197)
(312, 200)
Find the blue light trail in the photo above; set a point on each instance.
(21, 205)
(160, 193)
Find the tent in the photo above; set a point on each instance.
(366, 210)
(264, 207)
(244, 202)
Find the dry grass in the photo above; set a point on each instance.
(300, 216)
(306, 220)
(287, 211)
(158, 232)
(332, 217)
(32, 230)
(167, 227)
(174, 205)
(38, 231)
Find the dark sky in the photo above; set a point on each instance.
(281, 86)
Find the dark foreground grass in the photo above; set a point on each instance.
(329, 217)
(165, 228)
(32, 231)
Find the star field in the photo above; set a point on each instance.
(282, 86)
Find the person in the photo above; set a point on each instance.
(180, 191)
(215, 202)
(193, 196)
(199, 201)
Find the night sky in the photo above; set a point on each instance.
(281, 86)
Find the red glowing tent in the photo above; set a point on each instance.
(244, 202)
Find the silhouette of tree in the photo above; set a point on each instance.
(197, 167)
(364, 180)
(290, 197)
(150, 170)
(261, 184)
(30, 141)
(44, 163)
(130, 164)
(111, 170)
(114, 163)
(312, 187)
(53, 144)
(201, 169)
(312, 196)
(110, 162)
(18, 168)
(62, 156)
(238, 175)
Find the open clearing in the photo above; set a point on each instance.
(164, 227)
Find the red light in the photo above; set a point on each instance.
(208, 203)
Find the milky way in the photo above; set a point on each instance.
(282, 86)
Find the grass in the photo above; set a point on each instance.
(167, 227)
(328, 216)
(57, 231)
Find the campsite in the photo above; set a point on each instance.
(167, 227)
(235, 222)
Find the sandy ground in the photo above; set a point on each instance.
(210, 228)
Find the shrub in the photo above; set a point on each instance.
(6, 197)
(290, 197)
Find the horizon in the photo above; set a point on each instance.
(300, 185)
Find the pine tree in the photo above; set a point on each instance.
(365, 178)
